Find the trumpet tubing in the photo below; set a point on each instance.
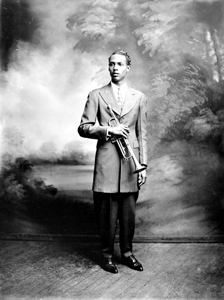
(138, 167)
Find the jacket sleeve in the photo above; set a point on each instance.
(142, 130)
(88, 127)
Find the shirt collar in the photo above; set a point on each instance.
(123, 87)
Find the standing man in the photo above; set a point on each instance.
(115, 187)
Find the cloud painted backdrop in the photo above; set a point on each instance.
(53, 52)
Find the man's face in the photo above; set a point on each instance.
(118, 68)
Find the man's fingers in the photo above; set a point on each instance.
(125, 133)
(141, 179)
(120, 130)
(126, 128)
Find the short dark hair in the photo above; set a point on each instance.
(124, 53)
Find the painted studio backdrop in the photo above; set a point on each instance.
(53, 52)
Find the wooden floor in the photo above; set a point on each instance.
(68, 270)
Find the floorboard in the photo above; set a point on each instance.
(72, 270)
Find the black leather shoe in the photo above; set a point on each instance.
(109, 266)
(132, 263)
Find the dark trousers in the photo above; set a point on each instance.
(109, 208)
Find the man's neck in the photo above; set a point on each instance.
(119, 83)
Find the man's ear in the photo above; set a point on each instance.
(128, 68)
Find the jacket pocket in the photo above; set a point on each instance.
(135, 144)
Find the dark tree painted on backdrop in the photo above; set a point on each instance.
(54, 53)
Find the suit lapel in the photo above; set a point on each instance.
(130, 101)
(109, 98)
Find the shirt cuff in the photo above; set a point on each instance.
(108, 136)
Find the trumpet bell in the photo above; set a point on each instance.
(139, 168)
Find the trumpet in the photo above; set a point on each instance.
(123, 144)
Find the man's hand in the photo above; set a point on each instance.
(119, 131)
(142, 178)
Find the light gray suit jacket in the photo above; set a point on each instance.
(112, 173)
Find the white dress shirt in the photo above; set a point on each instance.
(120, 97)
(119, 93)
